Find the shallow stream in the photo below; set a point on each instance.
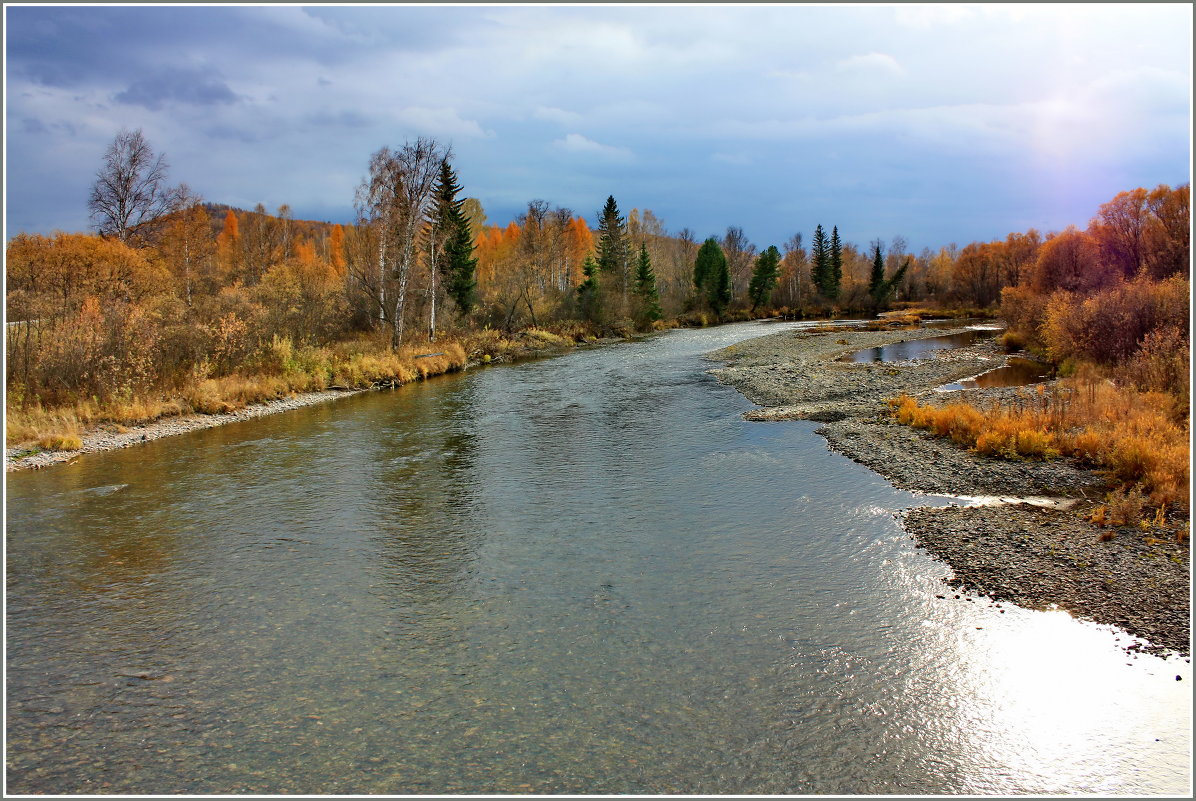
(586, 574)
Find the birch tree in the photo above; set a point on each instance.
(395, 199)
(130, 189)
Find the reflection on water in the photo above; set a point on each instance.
(586, 574)
(1018, 372)
(920, 348)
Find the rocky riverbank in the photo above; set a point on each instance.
(1033, 555)
(112, 438)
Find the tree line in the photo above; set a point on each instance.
(171, 286)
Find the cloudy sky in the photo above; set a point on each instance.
(938, 123)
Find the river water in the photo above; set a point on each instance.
(585, 574)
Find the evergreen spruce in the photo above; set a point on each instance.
(645, 290)
(721, 296)
(835, 278)
(588, 300)
(613, 256)
(457, 265)
(879, 287)
(764, 277)
(877, 278)
(820, 262)
(712, 276)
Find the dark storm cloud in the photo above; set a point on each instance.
(232, 133)
(920, 120)
(196, 87)
(65, 46)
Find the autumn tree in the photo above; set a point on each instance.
(394, 198)
(228, 247)
(59, 273)
(130, 188)
(261, 244)
(975, 278)
(794, 263)
(740, 254)
(578, 244)
(187, 248)
(1119, 232)
(764, 277)
(471, 207)
(336, 249)
(1071, 261)
(1168, 231)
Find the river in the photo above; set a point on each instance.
(585, 574)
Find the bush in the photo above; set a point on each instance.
(1109, 327)
(1024, 311)
(1137, 439)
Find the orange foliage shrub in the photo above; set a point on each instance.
(1138, 439)
(1109, 327)
(1024, 310)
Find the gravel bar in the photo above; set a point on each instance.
(1019, 534)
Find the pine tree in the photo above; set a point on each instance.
(712, 277)
(613, 256)
(820, 262)
(879, 287)
(877, 278)
(721, 298)
(764, 277)
(836, 265)
(457, 264)
(461, 266)
(645, 290)
(587, 292)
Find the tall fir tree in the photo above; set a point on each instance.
(820, 263)
(613, 255)
(877, 278)
(588, 299)
(648, 310)
(879, 287)
(712, 276)
(764, 277)
(457, 265)
(836, 265)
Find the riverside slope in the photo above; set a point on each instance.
(1034, 556)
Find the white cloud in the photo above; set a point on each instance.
(442, 122)
(870, 63)
(576, 143)
(924, 17)
(558, 115)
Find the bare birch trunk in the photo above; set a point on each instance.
(381, 276)
(432, 318)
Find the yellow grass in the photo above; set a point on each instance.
(1138, 439)
(283, 370)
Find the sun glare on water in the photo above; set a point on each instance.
(1042, 688)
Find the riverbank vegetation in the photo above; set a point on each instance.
(1109, 307)
(178, 306)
